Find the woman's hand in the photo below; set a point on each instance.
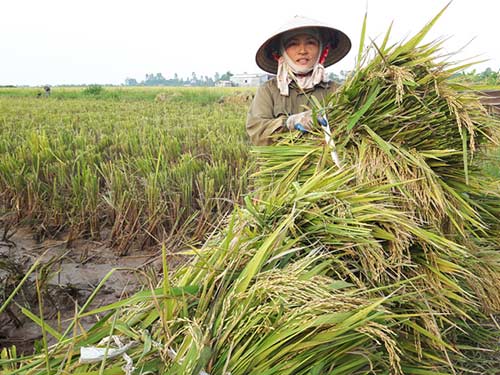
(301, 121)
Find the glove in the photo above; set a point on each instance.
(322, 121)
(301, 121)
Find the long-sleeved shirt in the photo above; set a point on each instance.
(269, 110)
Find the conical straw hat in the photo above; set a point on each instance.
(339, 43)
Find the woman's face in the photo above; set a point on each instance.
(303, 50)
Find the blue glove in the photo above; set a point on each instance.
(300, 121)
(300, 128)
(322, 121)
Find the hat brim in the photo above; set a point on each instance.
(339, 43)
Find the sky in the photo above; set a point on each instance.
(59, 42)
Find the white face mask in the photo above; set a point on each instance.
(296, 68)
(286, 75)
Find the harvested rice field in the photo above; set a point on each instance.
(97, 182)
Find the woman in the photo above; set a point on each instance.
(298, 54)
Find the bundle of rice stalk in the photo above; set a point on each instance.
(255, 300)
(383, 258)
(400, 121)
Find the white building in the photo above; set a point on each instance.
(224, 84)
(246, 79)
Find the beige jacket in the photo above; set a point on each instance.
(269, 109)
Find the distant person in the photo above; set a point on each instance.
(298, 54)
(46, 88)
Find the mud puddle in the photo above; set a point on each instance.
(66, 278)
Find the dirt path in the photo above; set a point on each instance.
(67, 277)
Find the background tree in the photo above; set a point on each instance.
(131, 82)
(226, 76)
(487, 77)
(335, 78)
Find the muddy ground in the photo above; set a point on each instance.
(67, 278)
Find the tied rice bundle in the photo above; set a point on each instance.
(385, 263)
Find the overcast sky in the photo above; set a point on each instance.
(105, 41)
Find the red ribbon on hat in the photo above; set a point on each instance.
(324, 54)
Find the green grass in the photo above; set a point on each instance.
(492, 166)
(486, 87)
(203, 96)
